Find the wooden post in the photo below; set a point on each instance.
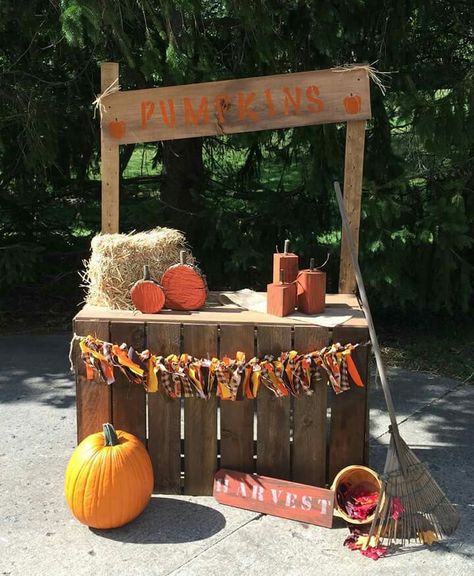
(353, 167)
(110, 161)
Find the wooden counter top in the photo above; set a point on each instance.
(217, 313)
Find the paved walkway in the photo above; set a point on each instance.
(185, 535)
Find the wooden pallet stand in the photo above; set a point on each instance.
(307, 440)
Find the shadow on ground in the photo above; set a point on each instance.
(169, 520)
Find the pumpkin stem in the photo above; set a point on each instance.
(286, 249)
(182, 256)
(110, 436)
(311, 264)
(146, 272)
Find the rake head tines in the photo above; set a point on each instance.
(411, 504)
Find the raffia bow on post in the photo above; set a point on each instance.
(98, 104)
(374, 74)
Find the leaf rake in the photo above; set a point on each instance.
(411, 505)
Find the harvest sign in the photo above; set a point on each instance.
(276, 497)
(232, 106)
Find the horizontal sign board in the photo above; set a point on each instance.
(275, 497)
(231, 106)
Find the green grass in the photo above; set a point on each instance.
(141, 162)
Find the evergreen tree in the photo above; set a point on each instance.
(237, 196)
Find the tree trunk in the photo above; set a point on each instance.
(182, 184)
(183, 178)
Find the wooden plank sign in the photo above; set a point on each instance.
(231, 106)
(275, 497)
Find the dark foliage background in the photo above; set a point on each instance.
(236, 197)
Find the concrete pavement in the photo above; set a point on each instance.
(188, 535)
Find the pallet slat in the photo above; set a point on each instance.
(93, 398)
(164, 415)
(349, 410)
(128, 400)
(200, 419)
(237, 417)
(273, 414)
(309, 416)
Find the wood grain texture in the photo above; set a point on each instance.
(231, 106)
(110, 161)
(200, 419)
(237, 417)
(164, 415)
(129, 400)
(309, 420)
(349, 430)
(93, 398)
(275, 497)
(353, 170)
(273, 414)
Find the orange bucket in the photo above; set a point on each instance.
(351, 479)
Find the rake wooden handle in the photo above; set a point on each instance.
(366, 309)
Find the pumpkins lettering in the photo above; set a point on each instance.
(109, 479)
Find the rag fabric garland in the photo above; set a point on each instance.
(185, 376)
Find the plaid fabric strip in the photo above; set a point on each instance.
(235, 381)
(164, 377)
(344, 375)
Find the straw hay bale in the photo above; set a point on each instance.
(117, 261)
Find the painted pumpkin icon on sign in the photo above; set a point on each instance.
(117, 129)
(353, 104)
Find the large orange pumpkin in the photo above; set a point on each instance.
(109, 479)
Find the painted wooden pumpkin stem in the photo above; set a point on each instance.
(182, 256)
(110, 436)
(287, 247)
(311, 264)
(146, 272)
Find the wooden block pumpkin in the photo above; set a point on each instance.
(311, 290)
(281, 297)
(147, 295)
(109, 479)
(288, 262)
(184, 285)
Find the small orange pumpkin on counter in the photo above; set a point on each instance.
(147, 295)
(184, 285)
(109, 479)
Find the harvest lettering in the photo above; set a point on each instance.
(248, 107)
(276, 496)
